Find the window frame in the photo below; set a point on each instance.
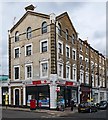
(46, 40)
(29, 33)
(44, 29)
(67, 66)
(67, 34)
(59, 29)
(26, 76)
(16, 36)
(66, 51)
(16, 66)
(74, 56)
(61, 70)
(18, 54)
(59, 42)
(41, 74)
(26, 49)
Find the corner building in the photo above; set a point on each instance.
(42, 59)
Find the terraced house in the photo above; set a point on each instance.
(47, 60)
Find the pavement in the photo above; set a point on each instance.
(50, 112)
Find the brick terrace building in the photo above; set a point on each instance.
(45, 55)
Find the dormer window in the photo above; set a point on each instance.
(29, 30)
(16, 36)
(44, 27)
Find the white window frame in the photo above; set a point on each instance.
(41, 45)
(75, 54)
(66, 71)
(75, 79)
(61, 70)
(82, 80)
(31, 49)
(61, 47)
(29, 64)
(41, 69)
(14, 52)
(14, 72)
(69, 50)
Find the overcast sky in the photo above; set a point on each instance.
(88, 18)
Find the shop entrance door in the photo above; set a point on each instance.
(17, 97)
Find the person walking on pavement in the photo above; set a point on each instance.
(72, 104)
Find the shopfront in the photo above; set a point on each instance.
(68, 92)
(85, 93)
(40, 93)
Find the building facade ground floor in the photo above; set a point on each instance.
(47, 92)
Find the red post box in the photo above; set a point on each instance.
(33, 104)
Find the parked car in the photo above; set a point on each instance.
(87, 107)
(102, 105)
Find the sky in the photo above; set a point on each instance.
(88, 18)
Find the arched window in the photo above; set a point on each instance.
(44, 27)
(29, 35)
(67, 35)
(73, 39)
(59, 29)
(16, 36)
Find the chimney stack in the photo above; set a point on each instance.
(30, 8)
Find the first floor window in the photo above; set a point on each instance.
(74, 73)
(67, 72)
(16, 73)
(81, 77)
(28, 71)
(44, 69)
(60, 70)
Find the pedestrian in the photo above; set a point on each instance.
(72, 104)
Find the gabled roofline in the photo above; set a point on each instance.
(32, 13)
(66, 14)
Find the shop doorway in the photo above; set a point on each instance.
(17, 97)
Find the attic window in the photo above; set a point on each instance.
(16, 36)
(44, 27)
(29, 35)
